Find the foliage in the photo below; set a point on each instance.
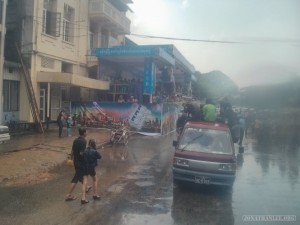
(277, 95)
(214, 84)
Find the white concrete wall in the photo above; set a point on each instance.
(54, 47)
(41, 45)
(37, 44)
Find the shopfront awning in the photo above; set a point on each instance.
(133, 57)
(134, 54)
(72, 79)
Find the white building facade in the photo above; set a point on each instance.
(55, 38)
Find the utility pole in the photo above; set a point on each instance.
(2, 42)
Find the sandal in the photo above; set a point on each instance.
(70, 198)
(96, 197)
(88, 189)
(84, 201)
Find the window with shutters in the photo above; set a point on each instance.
(68, 22)
(51, 19)
(11, 93)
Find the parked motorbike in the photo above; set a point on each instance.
(119, 136)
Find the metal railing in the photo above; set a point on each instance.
(31, 95)
(105, 8)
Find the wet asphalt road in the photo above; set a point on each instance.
(136, 188)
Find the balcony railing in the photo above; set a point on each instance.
(91, 60)
(102, 10)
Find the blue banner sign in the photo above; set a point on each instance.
(149, 73)
(125, 51)
(161, 51)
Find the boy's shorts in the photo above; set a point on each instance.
(79, 173)
(91, 172)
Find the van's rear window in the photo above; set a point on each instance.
(206, 140)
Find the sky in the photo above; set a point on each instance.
(267, 32)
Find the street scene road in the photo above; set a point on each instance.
(136, 187)
(149, 112)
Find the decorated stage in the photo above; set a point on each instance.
(144, 118)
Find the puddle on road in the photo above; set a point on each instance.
(137, 176)
(135, 219)
(164, 198)
(137, 169)
(144, 183)
(116, 188)
(272, 170)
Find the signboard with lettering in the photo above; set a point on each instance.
(161, 52)
(149, 73)
(125, 51)
(138, 116)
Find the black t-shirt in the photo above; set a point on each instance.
(78, 147)
(181, 121)
(90, 156)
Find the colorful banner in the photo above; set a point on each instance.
(169, 118)
(143, 118)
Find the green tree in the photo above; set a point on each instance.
(214, 85)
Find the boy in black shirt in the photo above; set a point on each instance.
(78, 147)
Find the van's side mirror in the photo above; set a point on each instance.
(175, 143)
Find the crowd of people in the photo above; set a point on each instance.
(238, 122)
(131, 90)
(64, 119)
(156, 98)
(127, 89)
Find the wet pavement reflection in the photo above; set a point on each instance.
(267, 183)
(202, 205)
(137, 188)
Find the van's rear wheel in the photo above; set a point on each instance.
(176, 183)
(241, 149)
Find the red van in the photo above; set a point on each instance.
(204, 154)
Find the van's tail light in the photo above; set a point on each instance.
(181, 162)
(227, 167)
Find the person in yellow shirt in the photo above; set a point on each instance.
(209, 111)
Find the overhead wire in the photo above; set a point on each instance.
(187, 39)
(79, 26)
(248, 40)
